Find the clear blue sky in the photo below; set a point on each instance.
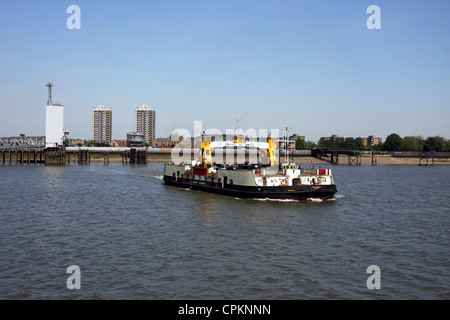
(312, 66)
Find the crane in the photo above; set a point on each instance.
(239, 141)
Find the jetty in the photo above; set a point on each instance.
(332, 156)
(127, 155)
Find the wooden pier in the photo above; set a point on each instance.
(354, 157)
(61, 156)
(22, 156)
(426, 158)
(85, 156)
(374, 158)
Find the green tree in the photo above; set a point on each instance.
(333, 143)
(91, 143)
(377, 147)
(300, 144)
(359, 144)
(434, 144)
(393, 142)
(412, 144)
(446, 146)
(309, 145)
(349, 143)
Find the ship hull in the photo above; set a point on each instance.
(298, 192)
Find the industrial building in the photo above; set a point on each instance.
(135, 139)
(54, 122)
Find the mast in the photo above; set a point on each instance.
(237, 125)
(49, 101)
(286, 141)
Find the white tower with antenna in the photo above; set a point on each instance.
(54, 122)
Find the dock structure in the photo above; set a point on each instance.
(81, 156)
(374, 159)
(21, 156)
(55, 156)
(141, 156)
(426, 158)
(22, 142)
(124, 157)
(137, 156)
(354, 157)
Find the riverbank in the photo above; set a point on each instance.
(19, 156)
(343, 160)
(381, 160)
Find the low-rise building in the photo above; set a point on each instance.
(76, 142)
(291, 141)
(371, 141)
(164, 143)
(118, 143)
(333, 137)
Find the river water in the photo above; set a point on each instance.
(132, 237)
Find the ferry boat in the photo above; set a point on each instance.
(270, 181)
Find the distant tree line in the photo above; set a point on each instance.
(393, 143)
(95, 143)
(343, 144)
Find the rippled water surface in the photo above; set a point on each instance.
(135, 238)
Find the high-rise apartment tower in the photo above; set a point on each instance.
(101, 124)
(145, 122)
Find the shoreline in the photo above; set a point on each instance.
(8, 157)
(381, 160)
(343, 161)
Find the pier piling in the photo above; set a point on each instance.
(55, 156)
(374, 159)
(425, 158)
